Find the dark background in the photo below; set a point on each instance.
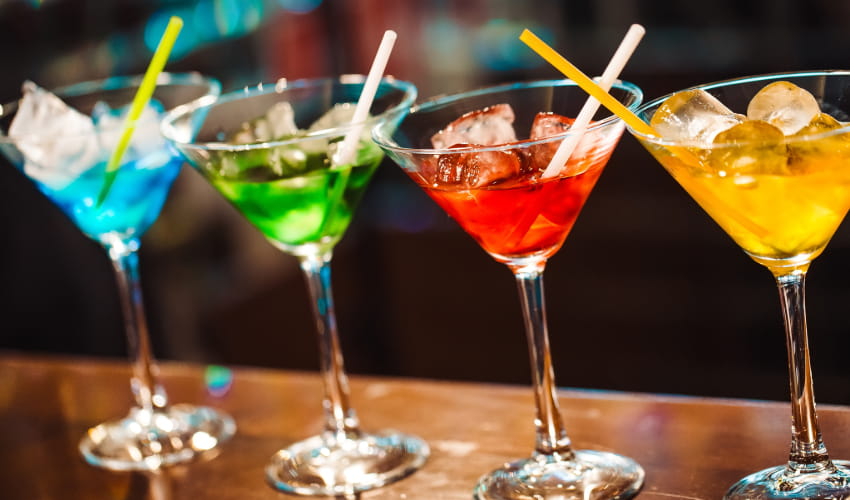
(647, 294)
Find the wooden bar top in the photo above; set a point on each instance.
(690, 447)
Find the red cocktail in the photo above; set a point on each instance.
(484, 156)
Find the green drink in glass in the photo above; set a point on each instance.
(299, 209)
(274, 152)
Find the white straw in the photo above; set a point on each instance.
(609, 76)
(367, 95)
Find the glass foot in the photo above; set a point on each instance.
(327, 465)
(146, 440)
(780, 482)
(589, 475)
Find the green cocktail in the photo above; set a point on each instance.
(277, 153)
(297, 207)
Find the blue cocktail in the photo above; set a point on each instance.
(63, 141)
(133, 204)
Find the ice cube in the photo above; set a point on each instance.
(750, 148)
(245, 135)
(146, 139)
(822, 122)
(476, 169)
(487, 127)
(549, 124)
(805, 154)
(281, 120)
(546, 125)
(340, 114)
(277, 123)
(693, 115)
(58, 143)
(785, 106)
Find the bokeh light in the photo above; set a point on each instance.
(218, 379)
(118, 46)
(234, 18)
(204, 22)
(448, 52)
(155, 27)
(299, 6)
(498, 48)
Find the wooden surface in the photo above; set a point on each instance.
(689, 447)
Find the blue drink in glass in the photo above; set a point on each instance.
(65, 154)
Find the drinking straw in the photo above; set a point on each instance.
(367, 95)
(588, 85)
(633, 121)
(347, 149)
(140, 100)
(609, 76)
(579, 126)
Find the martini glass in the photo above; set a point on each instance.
(781, 209)
(521, 220)
(154, 433)
(294, 193)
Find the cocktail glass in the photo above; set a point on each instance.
(293, 192)
(154, 433)
(521, 220)
(781, 206)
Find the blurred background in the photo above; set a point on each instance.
(647, 294)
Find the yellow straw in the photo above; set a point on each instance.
(140, 100)
(631, 119)
(588, 85)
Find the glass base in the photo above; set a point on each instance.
(783, 483)
(146, 440)
(327, 465)
(589, 475)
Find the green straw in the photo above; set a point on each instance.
(141, 99)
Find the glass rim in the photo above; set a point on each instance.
(169, 132)
(657, 140)
(115, 83)
(380, 137)
(121, 81)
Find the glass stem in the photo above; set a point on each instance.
(808, 453)
(340, 417)
(551, 438)
(148, 393)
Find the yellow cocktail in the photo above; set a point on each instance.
(780, 217)
(773, 169)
